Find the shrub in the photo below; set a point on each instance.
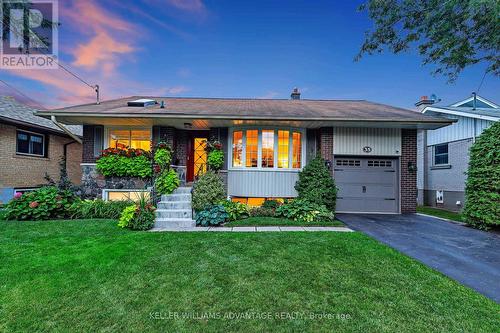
(215, 160)
(304, 211)
(235, 210)
(215, 215)
(167, 182)
(316, 184)
(262, 212)
(271, 204)
(43, 204)
(163, 155)
(482, 190)
(125, 162)
(97, 209)
(140, 216)
(208, 191)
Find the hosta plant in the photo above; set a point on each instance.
(235, 210)
(304, 211)
(213, 216)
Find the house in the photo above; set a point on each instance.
(370, 148)
(32, 146)
(443, 154)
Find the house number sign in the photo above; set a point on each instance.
(367, 149)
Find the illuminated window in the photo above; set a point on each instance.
(139, 139)
(283, 148)
(252, 146)
(126, 195)
(268, 148)
(296, 150)
(237, 148)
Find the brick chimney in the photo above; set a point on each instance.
(423, 102)
(295, 93)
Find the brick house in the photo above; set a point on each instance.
(370, 148)
(32, 146)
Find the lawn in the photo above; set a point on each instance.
(89, 276)
(280, 222)
(445, 214)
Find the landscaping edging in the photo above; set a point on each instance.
(253, 229)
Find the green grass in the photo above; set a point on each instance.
(440, 213)
(91, 276)
(281, 222)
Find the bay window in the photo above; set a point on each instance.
(267, 148)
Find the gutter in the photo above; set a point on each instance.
(66, 130)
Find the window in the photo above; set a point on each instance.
(268, 148)
(252, 147)
(380, 163)
(121, 195)
(283, 145)
(441, 154)
(348, 163)
(237, 148)
(125, 138)
(30, 143)
(297, 150)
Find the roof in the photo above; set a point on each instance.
(247, 109)
(464, 108)
(13, 111)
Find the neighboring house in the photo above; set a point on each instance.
(370, 148)
(32, 146)
(443, 155)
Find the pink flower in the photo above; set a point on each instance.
(33, 204)
(17, 195)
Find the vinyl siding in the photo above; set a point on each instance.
(258, 183)
(383, 141)
(464, 128)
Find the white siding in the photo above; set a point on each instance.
(464, 128)
(262, 184)
(382, 141)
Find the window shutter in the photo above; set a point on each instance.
(98, 140)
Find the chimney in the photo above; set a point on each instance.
(424, 102)
(295, 94)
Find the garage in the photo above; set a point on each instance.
(367, 185)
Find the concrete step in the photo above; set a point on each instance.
(175, 223)
(176, 197)
(181, 190)
(174, 213)
(174, 205)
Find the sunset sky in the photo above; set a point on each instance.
(258, 49)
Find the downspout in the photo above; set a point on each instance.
(66, 130)
(65, 152)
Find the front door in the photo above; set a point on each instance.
(197, 157)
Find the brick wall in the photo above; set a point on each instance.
(408, 178)
(326, 144)
(88, 144)
(27, 171)
(181, 147)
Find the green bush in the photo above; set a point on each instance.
(208, 191)
(316, 184)
(125, 162)
(304, 211)
(482, 190)
(262, 212)
(213, 216)
(215, 160)
(140, 216)
(43, 204)
(271, 204)
(163, 155)
(167, 182)
(97, 209)
(235, 210)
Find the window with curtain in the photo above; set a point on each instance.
(296, 150)
(252, 147)
(123, 138)
(283, 148)
(268, 148)
(237, 148)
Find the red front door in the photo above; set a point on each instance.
(197, 156)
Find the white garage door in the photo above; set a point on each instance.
(367, 185)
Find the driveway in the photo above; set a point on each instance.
(469, 256)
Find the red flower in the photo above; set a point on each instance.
(34, 204)
(157, 168)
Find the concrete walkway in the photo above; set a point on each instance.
(254, 229)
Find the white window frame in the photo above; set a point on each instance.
(127, 128)
(105, 192)
(259, 148)
(28, 154)
(434, 154)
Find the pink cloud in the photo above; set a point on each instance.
(189, 5)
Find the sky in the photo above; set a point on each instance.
(250, 49)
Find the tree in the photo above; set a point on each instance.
(452, 34)
(482, 189)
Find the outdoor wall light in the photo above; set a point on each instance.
(412, 167)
